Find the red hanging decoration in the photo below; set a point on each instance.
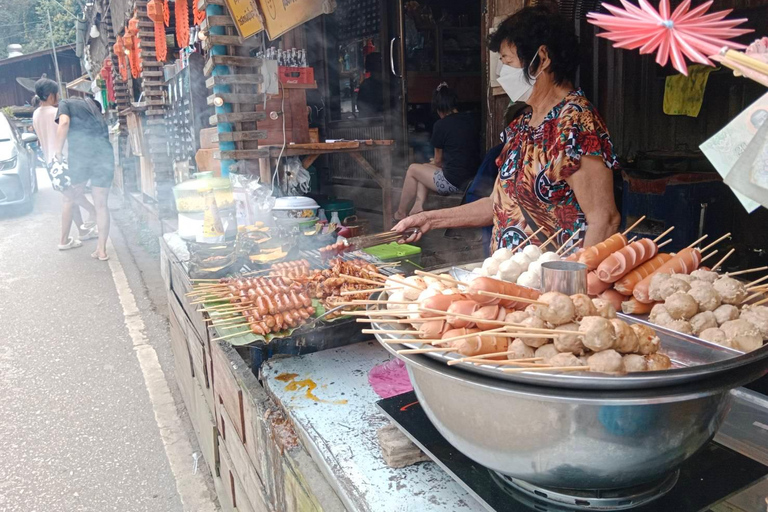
(119, 49)
(133, 45)
(182, 23)
(167, 13)
(106, 74)
(155, 13)
(197, 15)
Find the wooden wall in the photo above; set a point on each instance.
(11, 93)
(495, 105)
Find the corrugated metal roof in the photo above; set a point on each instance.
(39, 53)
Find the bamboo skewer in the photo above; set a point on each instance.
(425, 350)
(361, 280)
(708, 256)
(656, 240)
(659, 246)
(761, 302)
(551, 239)
(754, 296)
(507, 362)
(387, 331)
(511, 297)
(231, 335)
(694, 244)
(756, 281)
(574, 235)
(399, 321)
(495, 354)
(363, 302)
(747, 271)
(204, 280)
(521, 244)
(716, 242)
(392, 312)
(633, 226)
(728, 255)
(439, 277)
(570, 249)
(518, 327)
(631, 239)
(365, 290)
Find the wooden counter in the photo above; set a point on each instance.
(254, 455)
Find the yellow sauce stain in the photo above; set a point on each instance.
(308, 384)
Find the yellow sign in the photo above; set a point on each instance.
(280, 16)
(246, 17)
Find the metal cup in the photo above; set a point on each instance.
(566, 277)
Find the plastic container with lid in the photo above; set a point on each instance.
(190, 195)
(295, 207)
(396, 252)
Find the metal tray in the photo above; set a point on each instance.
(693, 359)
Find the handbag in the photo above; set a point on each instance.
(58, 172)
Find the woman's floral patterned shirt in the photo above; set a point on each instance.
(534, 165)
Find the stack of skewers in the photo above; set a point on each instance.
(283, 297)
(490, 322)
(634, 277)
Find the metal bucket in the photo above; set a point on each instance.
(566, 277)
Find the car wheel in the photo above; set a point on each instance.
(35, 188)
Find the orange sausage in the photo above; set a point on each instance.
(440, 303)
(626, 284)
(623, 261)
(594, 285)
(481, 344)
(635, 307)
(593, 256)
(489, 284)
(464, 308)
(574, 256)
(684, 262)
(614, 298)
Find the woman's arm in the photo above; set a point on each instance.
(61, 134)
(472, 215)
(593, 187)
(438, 160)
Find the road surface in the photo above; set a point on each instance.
(89, 413)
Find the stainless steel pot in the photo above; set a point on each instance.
(576, 439)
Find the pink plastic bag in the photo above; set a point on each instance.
(390, 379)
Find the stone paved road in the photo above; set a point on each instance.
(78, 431)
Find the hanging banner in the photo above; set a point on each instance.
(246, 17)
(280, 16)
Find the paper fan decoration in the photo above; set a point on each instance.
(684, 33)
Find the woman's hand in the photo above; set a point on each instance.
(421, 221)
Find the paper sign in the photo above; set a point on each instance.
(246, 17)
(280, 16)
(726, 147)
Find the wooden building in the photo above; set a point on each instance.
(33, 66)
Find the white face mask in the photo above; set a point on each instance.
(514, 83)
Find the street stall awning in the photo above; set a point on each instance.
(82, 84)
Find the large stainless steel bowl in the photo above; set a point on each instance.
(577, 439)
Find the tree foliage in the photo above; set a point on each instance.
(24, 22)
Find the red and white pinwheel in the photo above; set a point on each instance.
(673, 36)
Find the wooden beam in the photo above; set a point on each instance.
(239, 136)
(238, 117)
(151, 74)
(242, 154)
(214, 40)
(229, 97)
(229, 60)
(220, 21)
(202, 4)
(233, 79)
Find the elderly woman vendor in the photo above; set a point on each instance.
(555, 171)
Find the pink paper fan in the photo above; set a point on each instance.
(683, 33)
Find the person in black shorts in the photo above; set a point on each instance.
(455, 138)
(90, 157)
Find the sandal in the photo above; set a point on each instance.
(95, 255)
(72, 243)
(91, 234)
